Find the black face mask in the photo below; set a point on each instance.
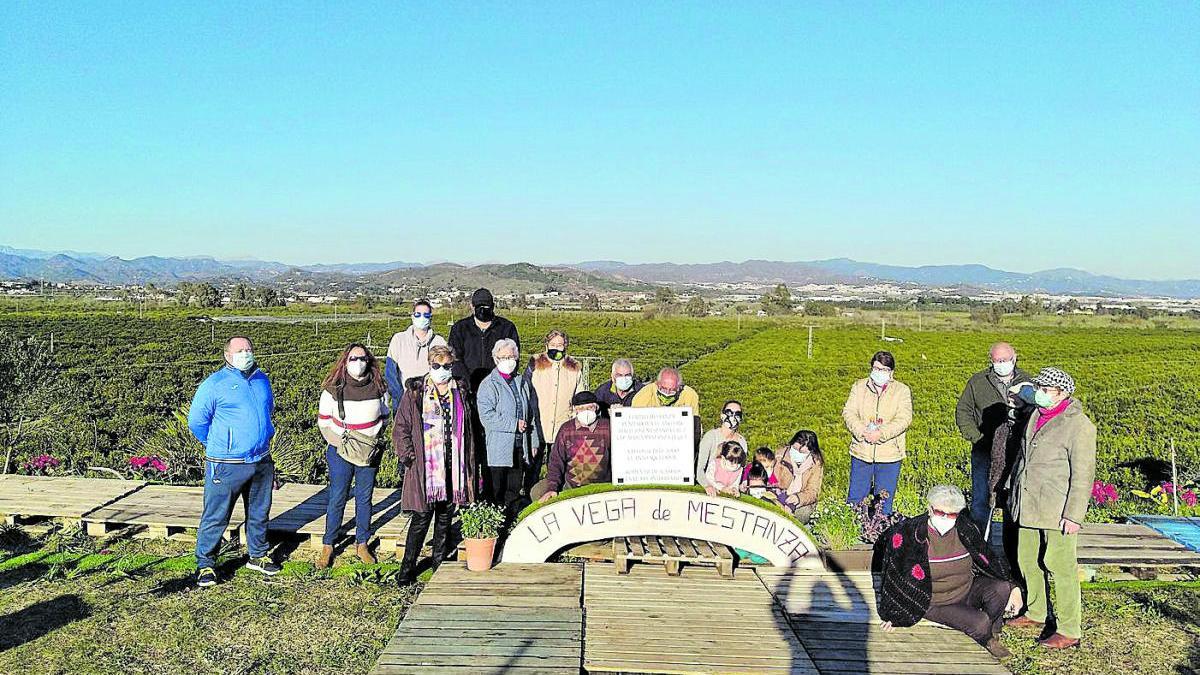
(485, 313)
(556, 354)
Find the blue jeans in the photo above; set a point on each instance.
(223, 484)
(341, 473)
(981, 496)
(884, 476)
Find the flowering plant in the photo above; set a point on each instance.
(1104, 493)
(148, 467)
(42, 465)
(870, 516)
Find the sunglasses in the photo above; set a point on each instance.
(352, 359)
(439, 366)
(731, 411)
(427, 315)
(943, 514)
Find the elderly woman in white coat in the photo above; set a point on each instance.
(508, 412)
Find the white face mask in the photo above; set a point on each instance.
(798, 456)
(242, 360)
(1004, 368)
(507, 366)
(624, 382)
(942, 524)
(586, 417)
(758, 492)
(440, 375)
(356, 368)
(880, 377)
(421, 322)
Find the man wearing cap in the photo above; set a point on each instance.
(991, 419)
(581, 454)
(473, 337)
(1049, 489)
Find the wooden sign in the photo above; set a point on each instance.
(653, 445)
(632, 513)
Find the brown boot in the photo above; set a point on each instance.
(996, 649)
(1024, 622)
(364, 554)
(1059, 641)
(326, 558)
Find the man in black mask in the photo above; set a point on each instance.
(473, 337)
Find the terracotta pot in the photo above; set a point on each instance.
(480, 553)
(857, 559)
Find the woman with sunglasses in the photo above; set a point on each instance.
(433, 439)
(354, 402)
(713, 439)
(938, 566)
(408, 352)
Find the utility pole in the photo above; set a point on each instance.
(882, 328)
(810, 335)
(52, 343)
(212, 333)
(739, 316)
(1174, 480)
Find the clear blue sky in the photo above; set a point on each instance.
(1023, 136)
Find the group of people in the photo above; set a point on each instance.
(468, 424)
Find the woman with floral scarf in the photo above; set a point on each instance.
(433, 440)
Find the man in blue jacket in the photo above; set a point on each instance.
(231, 416)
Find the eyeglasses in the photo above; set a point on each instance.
(944, 514)
(352, 359)
(882, 369)
(418, 315)
(440, 366)
(668, 393)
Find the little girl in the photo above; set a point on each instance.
(725, 474)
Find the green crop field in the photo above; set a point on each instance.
(115, 383)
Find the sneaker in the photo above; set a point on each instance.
(264, 565)
(206, 577)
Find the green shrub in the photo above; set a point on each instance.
(481, 520)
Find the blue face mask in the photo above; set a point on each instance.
(421, 322)
(881, 377)
(624, 382)
(1042, 399)
(243, 361)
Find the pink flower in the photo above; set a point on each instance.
(158, 465)
(1189, 497)
(1168, 488)
(138, 462)
(897, 540)
(1102, 492)
(918, 572)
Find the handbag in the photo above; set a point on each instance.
(357, 448)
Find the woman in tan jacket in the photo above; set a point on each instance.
(554, 378)
(877, 414)
(806, 463)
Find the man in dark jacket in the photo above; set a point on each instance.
(473, 337)
(620, 390)
(992, 421)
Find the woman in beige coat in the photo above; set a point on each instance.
(877, 414)
(554, 378)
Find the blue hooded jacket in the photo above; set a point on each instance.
(231, 416)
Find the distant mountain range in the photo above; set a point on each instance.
(93, 268)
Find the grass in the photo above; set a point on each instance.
(1128, 627)
(133, 608)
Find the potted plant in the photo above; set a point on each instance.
(481, 524)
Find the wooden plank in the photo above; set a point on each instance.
(60, 496)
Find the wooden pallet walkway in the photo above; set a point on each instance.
(522, 619)
(1128, 545)
(698, 622)
(834, 616)
(58, 496)
(161, 511)
(672, 552)
(299, 509)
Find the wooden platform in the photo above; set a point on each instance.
(1126, 545)
(834, 616)
(163, 511)
(298, 508)
(672, 552)
(523, 619)
(58, 497)
(648, 622)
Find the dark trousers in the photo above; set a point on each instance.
(981, 495)
(868, 478)
(533, 470)
(504, 488)
(341, 473)
(980, 614)
(441, 514)
(223, 484)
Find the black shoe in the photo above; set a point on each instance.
(206, 577)
(264, 565)
(408, 576)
